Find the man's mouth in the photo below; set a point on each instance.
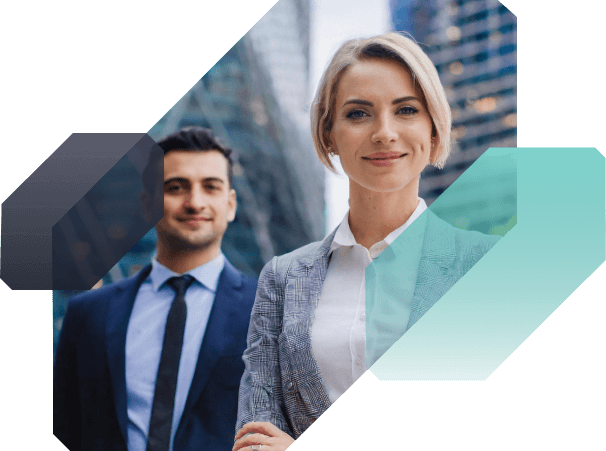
(195, 219)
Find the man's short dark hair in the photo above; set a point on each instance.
(191, 139)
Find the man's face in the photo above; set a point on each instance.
(198, 201)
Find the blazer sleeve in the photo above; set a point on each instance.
(67, 425)
(261, 397)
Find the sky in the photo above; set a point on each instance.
(334, 22)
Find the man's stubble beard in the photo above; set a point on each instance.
(176, 242)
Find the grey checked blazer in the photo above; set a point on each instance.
(282, 382)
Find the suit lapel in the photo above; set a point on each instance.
(435, 273)
(317, 270)
(218, 340)
(306, 283)
(118, 315)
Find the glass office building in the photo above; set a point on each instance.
(473, 45)
(254, 100)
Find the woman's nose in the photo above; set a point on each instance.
(385, 131)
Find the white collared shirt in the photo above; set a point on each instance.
(338, 333)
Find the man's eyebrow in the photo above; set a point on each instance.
(213, 179)
(187, 181)
(367, 103)
(176, 179)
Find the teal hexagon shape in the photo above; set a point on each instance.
(558, 242)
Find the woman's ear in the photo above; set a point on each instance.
(434, 154)
(332, 152)
(435, 145)
(330, 147)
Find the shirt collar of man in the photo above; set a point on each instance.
(206, 274)
(344, 237)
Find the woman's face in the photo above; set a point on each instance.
(382, 129)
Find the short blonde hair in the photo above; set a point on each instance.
(390, 46)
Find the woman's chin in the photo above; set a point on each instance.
(390, 184)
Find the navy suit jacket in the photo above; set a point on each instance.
(89, 376)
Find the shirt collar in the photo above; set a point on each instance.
(421, 207)
(344, 237)
(206, 274)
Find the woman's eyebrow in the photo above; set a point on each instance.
(404, 99)
(357, 102)
(367, 103)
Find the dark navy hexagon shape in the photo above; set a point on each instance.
(71, 221)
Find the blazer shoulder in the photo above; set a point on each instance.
(232, 278)
(92, 297)
(249, 286)
(471, 239)
(249, 281)
(464, 240)
(301, 257)
(471, 246)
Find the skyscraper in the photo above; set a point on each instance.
(254, 101)
(473, 45)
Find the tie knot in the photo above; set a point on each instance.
(180, 284)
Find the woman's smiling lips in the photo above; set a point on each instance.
(383, 158)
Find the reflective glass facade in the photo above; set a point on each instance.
(473, 45)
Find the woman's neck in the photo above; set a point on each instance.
(374, 215)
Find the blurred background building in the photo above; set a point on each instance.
(473, 45)
(255, 99)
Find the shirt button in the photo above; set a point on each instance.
(358, 363)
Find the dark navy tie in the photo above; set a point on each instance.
(158, 437)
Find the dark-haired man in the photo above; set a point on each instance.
(153, 363)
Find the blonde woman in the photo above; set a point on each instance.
(381, 109)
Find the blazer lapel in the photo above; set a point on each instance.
(307, 281)
(118, 315)
(317, 268)
(435, 274)
(217, 339)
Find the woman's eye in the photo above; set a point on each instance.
(356, 114)
(408, 110)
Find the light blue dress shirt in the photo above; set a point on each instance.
(145, 336)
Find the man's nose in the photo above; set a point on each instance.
(196, 200)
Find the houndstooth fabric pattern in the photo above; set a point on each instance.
(282, 383)
(448, 253)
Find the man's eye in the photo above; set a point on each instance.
(212, 187)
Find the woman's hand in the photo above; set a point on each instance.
(265, 434)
